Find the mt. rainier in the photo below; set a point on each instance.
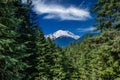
(62, 33)
(63, 38)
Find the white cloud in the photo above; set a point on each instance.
(86, 29)
(54, 11)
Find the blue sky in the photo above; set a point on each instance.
(72, 15)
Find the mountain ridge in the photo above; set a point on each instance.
(62, 33)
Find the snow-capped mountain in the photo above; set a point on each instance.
(62, 33)
(63, 38)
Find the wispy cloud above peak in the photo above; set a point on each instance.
(55, 11)
(86, 29)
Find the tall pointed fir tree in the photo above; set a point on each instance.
(11, 51)
(27, 31)
(49, 59)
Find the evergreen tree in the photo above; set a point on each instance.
(11, 51)
(76, 61)
(27, 30)
(108, 13)
(95, 58)
(106, 56)
(49, 63)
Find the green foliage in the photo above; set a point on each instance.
(96, 58)
(11, 51)
(26, 55)
(49, 59)
(27, 36)
(107, 13)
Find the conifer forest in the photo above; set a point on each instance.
(25, 54)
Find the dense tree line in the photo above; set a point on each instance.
(95, 58)
(25, 54)
(108, 14)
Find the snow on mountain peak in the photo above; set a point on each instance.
(62, 33)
